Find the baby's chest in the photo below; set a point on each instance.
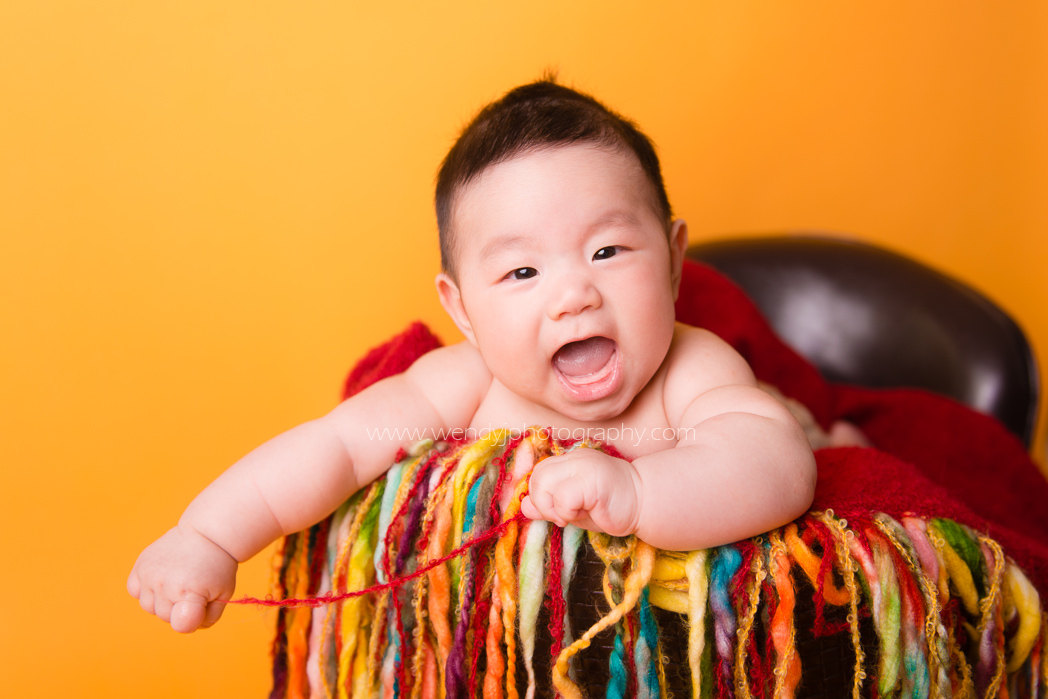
(641, 430)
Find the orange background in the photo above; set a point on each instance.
(209, 210)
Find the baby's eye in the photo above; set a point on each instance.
(522, 273)
(606, 252)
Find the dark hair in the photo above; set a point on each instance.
(537, 115)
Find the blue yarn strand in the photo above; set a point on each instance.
(646, 652)
(617, 668)
(386, 515)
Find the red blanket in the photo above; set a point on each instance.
(933, 457)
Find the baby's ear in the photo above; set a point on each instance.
(678, 240)
(451, 300)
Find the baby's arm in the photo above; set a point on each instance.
(741, 465)
(296, 479)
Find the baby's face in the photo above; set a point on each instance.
(566, 278)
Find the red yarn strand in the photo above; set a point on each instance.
(330, 598)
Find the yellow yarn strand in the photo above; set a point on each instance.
(811, 564)
(644, 558)
(668, 588)
(339, 529)
(507, 587)
(663, 691)
(989, 606)
(957, 571)
(351, 565)
(420, 640)
(1028, 606)
(613, 552)
(887, 617)
(378, 633)
(742, 635)
(967, 685)
(952, 569)
(840, 544)
(355, 615)
(698, 593)
(473, 459)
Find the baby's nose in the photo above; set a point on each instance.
(575, 293)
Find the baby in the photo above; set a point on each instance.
(561, 263)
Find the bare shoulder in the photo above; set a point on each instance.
(454, 379)
(700, 362)
(441, 390)
(460, 355)
(700, 357)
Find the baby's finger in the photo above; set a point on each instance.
(213, 613)
(540, 505)
(145, 601)
(540, 502)
(528, 508)
(548, 513)
(162, 608)
(188, 614)
(133, 584)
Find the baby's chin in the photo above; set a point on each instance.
(598, 410)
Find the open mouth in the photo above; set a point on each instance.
(588, 368)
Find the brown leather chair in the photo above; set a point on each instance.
(869, 316)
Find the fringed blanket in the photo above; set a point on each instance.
(912, 561)
(927, 607)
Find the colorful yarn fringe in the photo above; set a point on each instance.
(928, 608)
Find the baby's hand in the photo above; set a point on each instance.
(587, 488)
(184, 579)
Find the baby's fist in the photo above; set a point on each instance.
(587, 488)
(184, 579)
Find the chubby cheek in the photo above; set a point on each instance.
(652, 310)
(652, 324)
(493, 324)
(510, 351)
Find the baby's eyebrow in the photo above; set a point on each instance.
(614, 218)
(503, 243)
